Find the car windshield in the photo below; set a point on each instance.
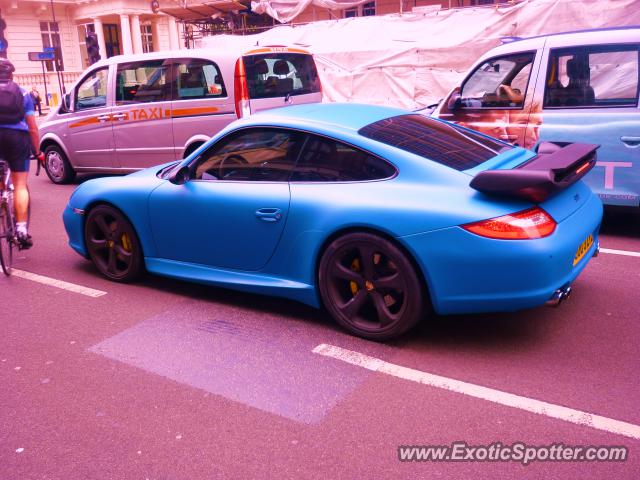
(442, 142)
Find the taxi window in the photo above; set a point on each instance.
(596, 76)
(281, 74)
(197, 78)
(142, 82)
(92, 92)
(498, 83)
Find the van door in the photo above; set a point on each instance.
(279, 76)
(591, 96)
(90, 128)
(497, 97)
(201, 105)
(141, 116)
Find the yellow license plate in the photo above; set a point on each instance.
(583, 249)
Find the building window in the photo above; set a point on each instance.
(365, 10)
(111, 39)
(83, 31)
(351, 12)
(147, 37)
(369, 9)
(51, 38)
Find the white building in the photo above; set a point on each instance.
(122, 26)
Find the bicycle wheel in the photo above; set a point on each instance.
(6, 239)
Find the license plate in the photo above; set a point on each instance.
(583, 249)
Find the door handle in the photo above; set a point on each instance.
(119, 116)
(269, 214)
(632, 142)
(104, 118)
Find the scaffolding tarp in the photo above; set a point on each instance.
(413, 60)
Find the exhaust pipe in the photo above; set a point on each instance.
(559, 296)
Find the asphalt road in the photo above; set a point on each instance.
(169, 380)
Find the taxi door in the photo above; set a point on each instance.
(89, 126)
(141, 116)
(202, 102)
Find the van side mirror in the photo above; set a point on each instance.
(179, 176)
(66, 102)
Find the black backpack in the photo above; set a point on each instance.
(11, 103)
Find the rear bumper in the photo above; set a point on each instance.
(467, 273)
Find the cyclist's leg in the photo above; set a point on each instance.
(20, 196)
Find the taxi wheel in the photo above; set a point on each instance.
(112, 244)
(57, 165)
(370, 287)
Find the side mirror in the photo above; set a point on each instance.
(66, 102)
(179, 176)
(455, 101)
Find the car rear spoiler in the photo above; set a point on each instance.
(554, 168)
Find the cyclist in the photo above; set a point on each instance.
(18, 139)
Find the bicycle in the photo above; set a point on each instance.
(7, 220)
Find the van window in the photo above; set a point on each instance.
(198, 78)
(92, 92)
(281, 74)
(141, 82)
(498, 83)
(592, 77)
(327, 160)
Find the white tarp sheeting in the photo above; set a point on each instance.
(286, 10)
(413, 60)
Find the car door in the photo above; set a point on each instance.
(89, 124)
(232, 211)
(591, 96)
(497, 97)
(141, 117)
(201, 104)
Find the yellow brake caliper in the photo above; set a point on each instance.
(355, 266)
(126, 242)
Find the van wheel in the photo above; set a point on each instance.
(191, 148)
(57, 165)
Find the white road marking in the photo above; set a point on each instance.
(484, 393)
(620, 252)
(52, 282)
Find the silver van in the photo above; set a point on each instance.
(130, 112)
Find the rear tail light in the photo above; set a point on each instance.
(524, 225)
(241, 91)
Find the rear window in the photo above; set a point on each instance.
(445, 143)
(281, 74)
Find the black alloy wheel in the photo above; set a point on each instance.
(370, 287)
(112, 244)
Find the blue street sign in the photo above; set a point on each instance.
(49, 49)
(41, 56)
(3, 45)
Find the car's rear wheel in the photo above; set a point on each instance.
(57, 165)
(370, 287)
(112, 244)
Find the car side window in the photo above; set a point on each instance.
(251, 154)
(327, 160)
(142, 82)
(605, 76)
(197, 78)
(498, 83)
(92, 91)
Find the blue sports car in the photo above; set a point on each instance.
(377, 214)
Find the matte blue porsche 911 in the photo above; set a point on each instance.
(377, 214)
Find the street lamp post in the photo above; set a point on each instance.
(59, 49)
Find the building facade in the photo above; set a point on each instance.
(121, 26)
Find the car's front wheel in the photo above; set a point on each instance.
(370, 287)
(112, 244)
